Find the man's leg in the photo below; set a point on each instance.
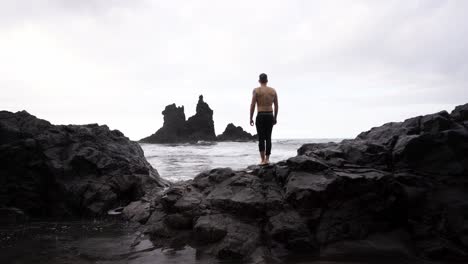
(261, 138)
(268, 130)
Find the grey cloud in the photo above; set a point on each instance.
(325, 58)
(13, 13)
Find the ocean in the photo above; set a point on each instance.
(179, 162)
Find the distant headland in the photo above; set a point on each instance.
(199, 127)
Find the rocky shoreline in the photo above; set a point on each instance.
(399, 191)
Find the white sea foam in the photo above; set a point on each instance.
(178, 162)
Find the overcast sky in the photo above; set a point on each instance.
(339, 67)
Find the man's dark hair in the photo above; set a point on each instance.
(263, 78)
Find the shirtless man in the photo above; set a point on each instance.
(264, 97)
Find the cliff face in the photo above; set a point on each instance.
(399, 191)
(49, 170)
(233, 133)
(176, 129)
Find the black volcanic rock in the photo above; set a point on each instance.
(173, 130)
(233, 133)
(460, 114)
(431, 143)
(398, 191)
(56, 170)
(176, 129)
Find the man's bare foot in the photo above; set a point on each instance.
(262, 158)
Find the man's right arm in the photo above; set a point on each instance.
(252, 107)
(275, 103)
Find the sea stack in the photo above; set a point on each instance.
(178, 130)
(235, 133)
(173, 129)
(201, 125)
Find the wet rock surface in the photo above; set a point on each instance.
(177, 130)
(398, 191)
(235, 133)
(68, 170)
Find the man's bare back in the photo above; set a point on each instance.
(265, 97)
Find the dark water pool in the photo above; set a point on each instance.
(99, 242)
(85, 242)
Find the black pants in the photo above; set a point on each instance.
(264, 124)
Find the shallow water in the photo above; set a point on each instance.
(106, 242)
(86, 242)
(177, 162)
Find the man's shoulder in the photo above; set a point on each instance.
(272, 89)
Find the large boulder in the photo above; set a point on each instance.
(52, 170)
(460, 113)
(235, 133)
(176, 129)
(357, 152)
(441, 153)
